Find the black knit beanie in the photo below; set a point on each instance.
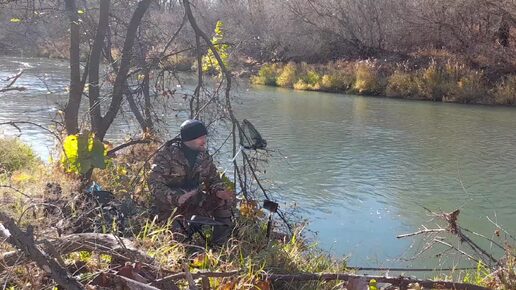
(192, 129)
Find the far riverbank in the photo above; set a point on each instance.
(434, 76)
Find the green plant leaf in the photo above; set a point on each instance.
(209, 62)
(83, 152)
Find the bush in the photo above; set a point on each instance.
(288, 76)
(402, 85)
(470, 88)
(304, 86)
(178, 62)
(367, 80)
(266, 75)
(309, 81)
(433, 83)
(335, 82)
(505, 91)
(311, 77)
(15, 155)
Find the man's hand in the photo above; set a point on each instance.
(225, 195)
(185, 197)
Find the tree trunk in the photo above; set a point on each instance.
(94, 64)
(149, 126)
(121, 78)
(74, 99)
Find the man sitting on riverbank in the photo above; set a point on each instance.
(184, 178)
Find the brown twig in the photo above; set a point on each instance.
(502, 229)
(20, 89)
(182, 275)
(425, 231)
(15, 125)
(112, 152)
(398, 281)
(16, 190)
(113, 281)
(25, 242)
(189, 277)
(454, 228)
(456, 249)
(14, 78)
(92, 242)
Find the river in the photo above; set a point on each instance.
(361, 170)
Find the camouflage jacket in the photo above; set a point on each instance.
(172, 175)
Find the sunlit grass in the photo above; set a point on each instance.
(444, 78)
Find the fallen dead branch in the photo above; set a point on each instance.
(424, 231)
(120, 248)
(121, 282)
(455, 229)
(183, 275)
(13, 79)
(25, 242)
(399, 281)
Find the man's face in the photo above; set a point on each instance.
(198, 144)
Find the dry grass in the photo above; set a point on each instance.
(435, 75)
(505, 91)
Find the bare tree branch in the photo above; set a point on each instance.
(25, 242)
(13, 79)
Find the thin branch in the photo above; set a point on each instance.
(502, 229)
(458, 250)
(15, 125)
(14, 78)
(112, 152)
(482, 236)
(25, 242)
(426, 231)
(20, 89)
(14, 189)
(398, 281)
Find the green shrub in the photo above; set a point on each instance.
(505, 91)
(311, 77)
(336, 81)
(309, 81)
(433, 83)
(402, 85)
(367, 80)
(266, 75)
(288, 76)
(470, 88)
(209, 62)
(304, 86)
(15, 155)
(329, 82)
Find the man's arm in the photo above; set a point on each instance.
(163, 176)
(216, 185)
